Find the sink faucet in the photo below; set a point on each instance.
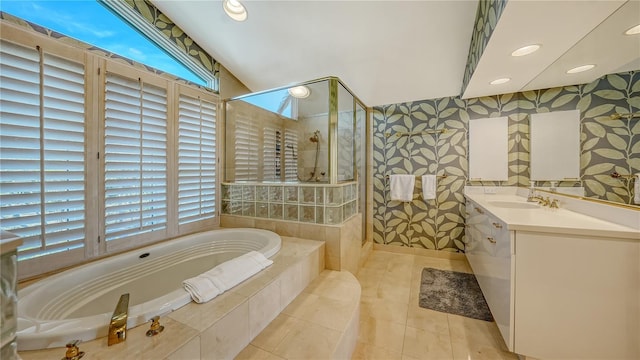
(118, 324)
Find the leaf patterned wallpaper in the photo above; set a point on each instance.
(487, 17)
(606, 146)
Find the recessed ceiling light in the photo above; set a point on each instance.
(299, 92)
(235, 10)
(633, 31)
(500, 81)
(579, 69)
(525, 50)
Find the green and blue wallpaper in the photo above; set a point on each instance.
(606, 146)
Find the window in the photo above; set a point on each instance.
(93, 23)
(271, 154)
(41, 150)
(98, 156)
(196, 159)
(135, 157)
(246, 149)
(290, 155)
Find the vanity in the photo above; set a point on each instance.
(560, 282)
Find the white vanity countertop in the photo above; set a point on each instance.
(545, 219)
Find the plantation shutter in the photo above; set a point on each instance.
(271, 154)
(246, 149)
(135, 157)
(196, 159)
(290, 155)
(41, 150)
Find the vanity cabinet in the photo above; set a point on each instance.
(489, 252)
(557, 292)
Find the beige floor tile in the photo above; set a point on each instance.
(381, 333)
(399, 270)
(383, 309)
(475, 333)
(366, 351)
(423, 344)
(426, 319)
(369, 286)
(374, 272)
(392, 291)
(308, 341)
(254, 353)
(442, 264)
(464, 351)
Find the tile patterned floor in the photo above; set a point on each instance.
(393, 326)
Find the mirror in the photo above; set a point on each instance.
(555, 145)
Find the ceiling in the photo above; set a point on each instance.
(397, 51)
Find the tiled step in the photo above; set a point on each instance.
(321, 323)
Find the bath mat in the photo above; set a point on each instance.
(454, 293)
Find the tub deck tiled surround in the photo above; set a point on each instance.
(343, 242)
(221, 328)
(394, 327)
(321, 323)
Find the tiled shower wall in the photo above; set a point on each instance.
(606, 146)
(316, 204)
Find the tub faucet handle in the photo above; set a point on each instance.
(73, 353)
(155, 328)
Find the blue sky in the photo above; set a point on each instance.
(92, 23)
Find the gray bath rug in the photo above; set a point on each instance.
(454, 293)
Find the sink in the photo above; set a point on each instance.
(514, 205)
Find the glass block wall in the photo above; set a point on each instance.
(308, 203)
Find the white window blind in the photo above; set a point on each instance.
(41, 150)
(245, 149)
(290, 155)
(271, 154)
(196, 159)
(135, 157)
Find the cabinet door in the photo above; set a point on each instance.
(577, 297)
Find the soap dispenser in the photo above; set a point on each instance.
(532, 191)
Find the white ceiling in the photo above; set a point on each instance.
(397, 51)
(384, 51)
(572, 34)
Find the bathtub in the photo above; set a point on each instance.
(78, 303)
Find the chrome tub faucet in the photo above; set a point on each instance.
(118, 324)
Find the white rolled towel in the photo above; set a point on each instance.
(428, 187)
(401, 187)
(636, 189)
(225, 276)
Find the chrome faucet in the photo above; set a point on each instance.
(118, 324)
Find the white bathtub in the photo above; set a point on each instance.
(79, 303)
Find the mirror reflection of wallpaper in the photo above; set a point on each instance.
(487, 17)
(606, 146)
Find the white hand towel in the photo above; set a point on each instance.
(428, 187)
(201, 288)
(401, 187)
(636, 189)
(223, 277)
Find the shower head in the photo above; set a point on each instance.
(316, 137)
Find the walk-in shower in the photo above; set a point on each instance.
(295, 153)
